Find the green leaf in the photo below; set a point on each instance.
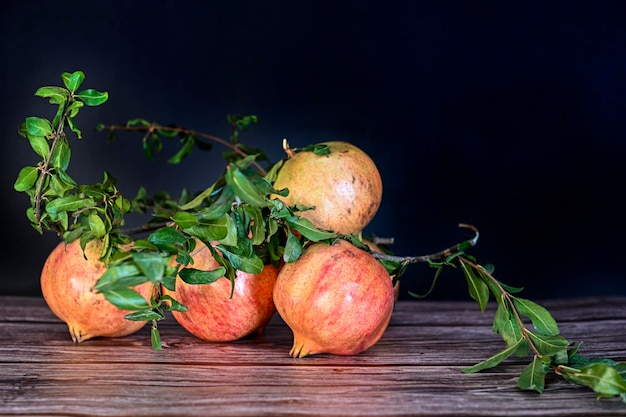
(155, 338)
(185, 219)
(151, 264)
(73, 127)
(604, 379)
(74, 107)
(251, 264)
(93, 97)
(127, 299)
(36, 126)
(541, 319)
(199, 199)
(533, 376)
(197, 276)
(96, 226)
(293, 248)
(61, 155)
(57, 95)
(257, 224)
(39, 145)
(495, 359)
(26, 178)
(144, 315)
(211, 230)
(244, 188)
(116, 280)
(69, 203)
(231, 237)
(221, 206)
(478, 289)
(308, 230)
(172, 304)
(73, 81)
(167, 235)
(548, 345)
(119, 276)
(505, 324)
(189, 143)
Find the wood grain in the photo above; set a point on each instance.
(415, 369)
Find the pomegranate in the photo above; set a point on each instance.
(212, 314)
(67, 281)
(343, 185)
(335, 298)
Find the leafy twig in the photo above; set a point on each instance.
(189, 137)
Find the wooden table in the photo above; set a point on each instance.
(415, 369)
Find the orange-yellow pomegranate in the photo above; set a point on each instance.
(344, 186)
(212, 314)
(335, 298)
(67, 281)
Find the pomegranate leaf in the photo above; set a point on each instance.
(548, 345)
(150, 264)
(293, 247)
(604, 379)
(244, 188)
(57, 95)
(197, 276)
(533, 377)
(92, 97)
(126, 299)
(541, 319)
(38, 127)
(26, 178)
(495, 359)
(73, 80)
(478, 289)
(308, 230)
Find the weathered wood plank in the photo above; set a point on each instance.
(138, 389)
(414, 370)
(463, 345)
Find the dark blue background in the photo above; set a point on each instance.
(506, 115)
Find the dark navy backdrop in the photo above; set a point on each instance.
(506, 115)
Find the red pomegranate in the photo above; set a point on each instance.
(335, 298)
(212, 314)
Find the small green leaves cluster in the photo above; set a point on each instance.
(550, 351)
(58, 202)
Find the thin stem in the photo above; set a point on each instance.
(437, 255)
(45, 169)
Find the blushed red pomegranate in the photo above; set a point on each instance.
(67, 281)
(335, 298)
(212, 314)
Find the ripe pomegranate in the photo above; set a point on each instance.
(67, 281)
(212, 314)
(335, 298)
(344, 186)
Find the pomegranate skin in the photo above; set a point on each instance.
(67, 281)
(212, 314)
(336, 299)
